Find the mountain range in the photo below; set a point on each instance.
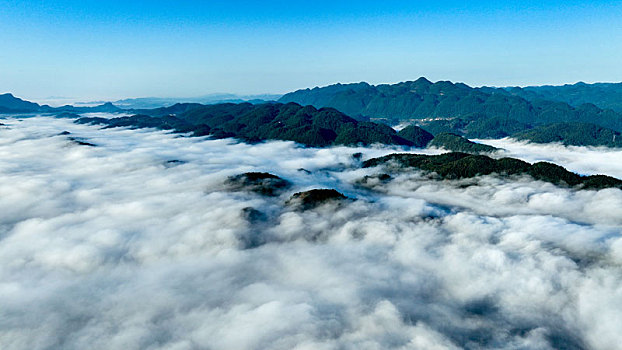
(579, 114)
(602, 95)
(10, 104)
(269, 121)
(453, 107)
(155, 102)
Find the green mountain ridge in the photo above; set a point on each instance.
(451, 107)
(305, 125)
(576, 134)
(458, 165)
(457, 143)
(273, 121)
(602, 95)
(431, 108)
(326, 126)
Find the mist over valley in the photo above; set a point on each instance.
(138, 238)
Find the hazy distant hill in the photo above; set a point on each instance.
(155, 102)
(447, 107)
(12, 104)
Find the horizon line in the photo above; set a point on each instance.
(77, 100)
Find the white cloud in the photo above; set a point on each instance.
(112, 247)
(582, 160)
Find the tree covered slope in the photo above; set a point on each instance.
(603, 95)
(576, 134)
(272, 121)
(458, 165)
(452, 107)
(456, 143)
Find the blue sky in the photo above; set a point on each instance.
(114, 49)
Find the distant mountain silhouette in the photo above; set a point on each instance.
(12, 104)
(156, 102)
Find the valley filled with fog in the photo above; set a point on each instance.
(120, 239)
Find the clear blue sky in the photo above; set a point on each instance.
(112, 49)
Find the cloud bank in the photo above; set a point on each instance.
(582, 160)
(136, 244)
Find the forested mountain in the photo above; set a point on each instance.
(602, 95)
(420, 137)
(447, 107)
(577, 134)
(457, 165)
(327, 126)
(275, 121)
(430, 109)
(455, 143)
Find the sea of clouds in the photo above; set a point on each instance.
(136, 243)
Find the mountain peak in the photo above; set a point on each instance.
(423, 80)
(10, 102)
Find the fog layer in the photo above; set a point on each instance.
(134, 242)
